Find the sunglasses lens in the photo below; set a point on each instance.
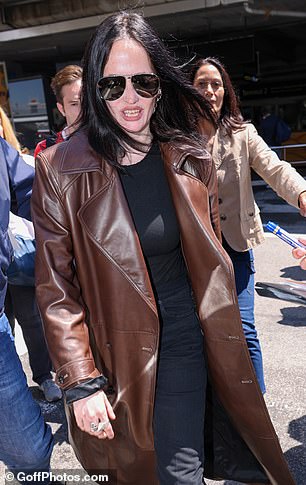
(146, 85)
(111, 87)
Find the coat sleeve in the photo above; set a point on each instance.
(57, 289)
(280, 175)
(21, 177)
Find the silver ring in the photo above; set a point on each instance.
(102, 426)
(96, 428)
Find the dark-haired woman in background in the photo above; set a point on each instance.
(236, 147)
(131, 274)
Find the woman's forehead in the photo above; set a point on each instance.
(208, 70)
(127, 56)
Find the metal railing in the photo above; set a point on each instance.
(285, 152)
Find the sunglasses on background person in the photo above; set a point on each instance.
(113, 87)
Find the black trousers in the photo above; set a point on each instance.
(180, 389)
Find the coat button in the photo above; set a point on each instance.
(220, 201)
(251, 214)
(223, 217)
(62, 377)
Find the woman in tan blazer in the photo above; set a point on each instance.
(236, 147)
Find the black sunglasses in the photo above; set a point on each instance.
(112, 87)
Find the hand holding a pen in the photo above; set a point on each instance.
(299, 253)
(299, 244)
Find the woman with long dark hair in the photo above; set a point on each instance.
(133, 284)
(237, 148)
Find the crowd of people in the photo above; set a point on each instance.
(142, 208)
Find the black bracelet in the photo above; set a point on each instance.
(85, 389)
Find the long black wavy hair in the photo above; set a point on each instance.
(230, 116)
(177, 112)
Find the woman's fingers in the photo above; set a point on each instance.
(93, 415)
(303, 263)
(107, 429)
(109, 408)
(298, 253)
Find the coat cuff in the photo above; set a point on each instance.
(85, 389)
(74, 372)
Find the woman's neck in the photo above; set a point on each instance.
(133, 156)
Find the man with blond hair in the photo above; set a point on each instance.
(66, 86)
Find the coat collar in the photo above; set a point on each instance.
(77, 156)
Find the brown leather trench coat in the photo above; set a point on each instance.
(100, 314)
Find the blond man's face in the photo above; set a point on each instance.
(71, 106)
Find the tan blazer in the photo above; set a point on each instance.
(234, 156)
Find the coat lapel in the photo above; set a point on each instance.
(221, 147)
(108, 222)
(188, 192)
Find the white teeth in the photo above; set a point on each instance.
(131, 112)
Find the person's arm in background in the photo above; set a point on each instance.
(300, 253)
(280, 175)
(40, 147)
(21, 176)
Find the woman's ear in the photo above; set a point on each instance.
(159, 95)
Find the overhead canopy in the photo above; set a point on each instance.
(40, 29)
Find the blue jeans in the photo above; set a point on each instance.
(25, 439)
(244, 269)
(20, 303)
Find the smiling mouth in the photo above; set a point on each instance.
(131, 113)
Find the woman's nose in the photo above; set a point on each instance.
(130, 95)
(208, 90)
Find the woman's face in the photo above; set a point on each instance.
(131, 111)
(208, 82)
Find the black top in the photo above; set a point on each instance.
(149, 198)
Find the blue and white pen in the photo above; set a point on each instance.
(283, 235)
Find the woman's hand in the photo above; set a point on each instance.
(299, 253)
(92, 415)
(302, 203)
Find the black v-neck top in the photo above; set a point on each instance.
(150, 202)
